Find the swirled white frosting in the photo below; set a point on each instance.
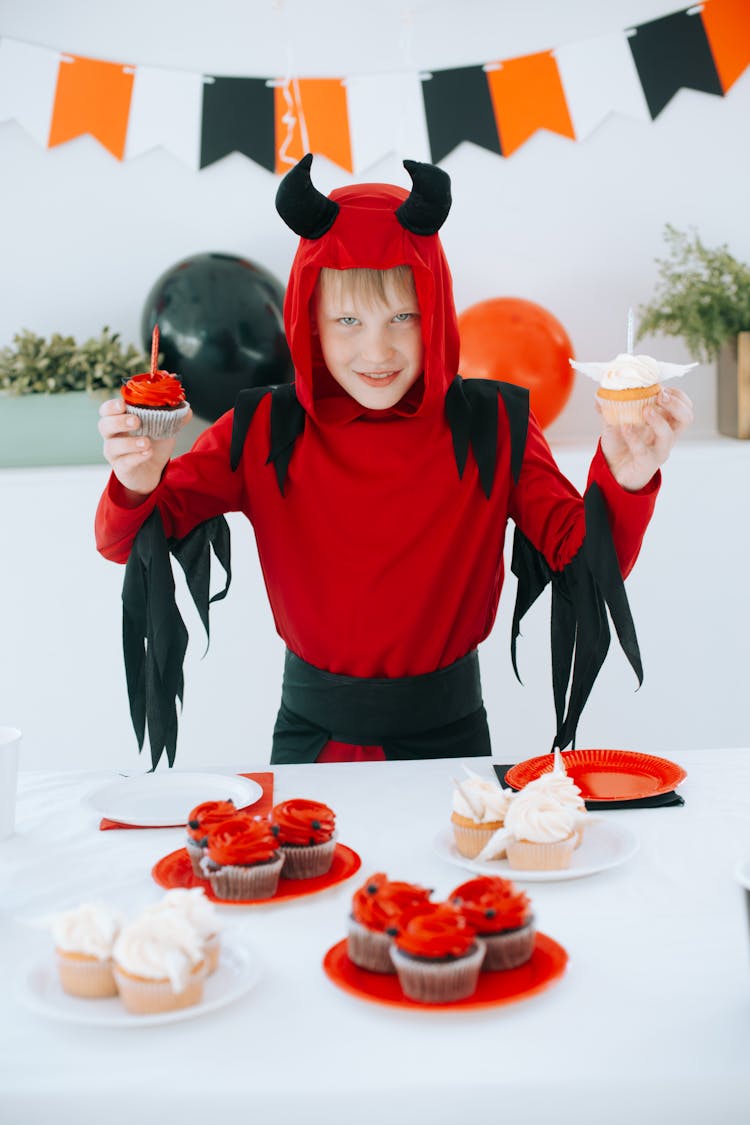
(627, 372)
(90, 928)
(489, 801)
(160, 945)
(559, 786)
(193, 905)
(538, 817)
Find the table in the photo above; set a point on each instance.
(649, 1023)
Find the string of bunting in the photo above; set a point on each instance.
(355, 121)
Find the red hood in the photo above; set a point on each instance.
(366, 234)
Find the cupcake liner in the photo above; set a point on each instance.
(145, 997)
(527, 856)
(307, 861)
(257, 881)
(470, 839)
(196, 853)
(507, 949)
(619, 412)
(369, 949)
(88, 977)
(439, 982)
(156, 423)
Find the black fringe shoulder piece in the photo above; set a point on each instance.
(154, 635)
(471, 407)
(287, 423)
(582, 593)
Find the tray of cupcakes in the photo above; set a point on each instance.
(479, 947)
(243, 859)
(171, 961)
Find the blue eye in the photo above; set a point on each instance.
(348, 320)
(401, 318)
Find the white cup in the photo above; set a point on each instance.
(10, 745)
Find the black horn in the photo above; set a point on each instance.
(306, 210)
(427, 207)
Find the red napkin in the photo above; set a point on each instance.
(262, 805)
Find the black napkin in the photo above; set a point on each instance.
(658, 801)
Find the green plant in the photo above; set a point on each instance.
(702, 295)
(39, 366)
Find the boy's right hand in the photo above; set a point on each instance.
(137, 462)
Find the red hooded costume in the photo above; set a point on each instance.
(381, 551)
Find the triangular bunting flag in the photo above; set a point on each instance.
(671, 53)
(599, 77)
(92, 97)
(238, 116)
(28, 80)
(386, 114)
(727, 27)
(165, 112)
(527, 95)
(311, 116)
(458, 108)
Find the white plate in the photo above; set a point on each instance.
(165, 799)
(604, 845)
(239, 970)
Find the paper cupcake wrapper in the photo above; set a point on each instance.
(369, 949)
(527, 856)
(235, 882)
(158, 423)
(439, 982)
(86, 976)
(470, 841)
(308, 861)
(147, 997)
(620, 412)
(509, 948)
(196, 853)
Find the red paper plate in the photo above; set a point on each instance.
(547, 964)
(605, 775)
(176, 870)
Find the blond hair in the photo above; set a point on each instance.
(373, 286)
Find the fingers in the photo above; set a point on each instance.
(114, 419)
(676, 407)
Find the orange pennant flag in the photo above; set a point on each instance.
(312, 116)
(92, 97)
(727, 27)
(527, 95)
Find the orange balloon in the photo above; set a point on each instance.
(517, 341)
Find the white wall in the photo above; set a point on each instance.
(573, 226)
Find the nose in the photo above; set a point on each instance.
(376, 349)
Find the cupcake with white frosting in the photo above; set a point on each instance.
(541, 832)
(83, 939)
(159, 963)
(628, 384)
(562, 788)
(193, 905)
(479, 808)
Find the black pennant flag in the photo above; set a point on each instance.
(458, 107)
(238, 116)
(670, 53)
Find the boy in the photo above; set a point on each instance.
(379, 487)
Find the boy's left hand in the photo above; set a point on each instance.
(634, 453)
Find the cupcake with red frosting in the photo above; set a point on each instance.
(306, 833)
(202, 820)
(437, 955)
(243, 859)
(156, 397)
(501, 916)
(377, 908)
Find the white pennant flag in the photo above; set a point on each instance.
(599, 77)
(28, 83)
(386, 114)
(165, 112)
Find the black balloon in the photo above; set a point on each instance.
(221, 327)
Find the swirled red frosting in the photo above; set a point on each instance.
(437, 930)
(301, 822)
(242, 841)
(206, 816)
(160, 390)
(379, 903)
(490, 904)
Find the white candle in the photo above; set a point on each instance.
(630, 331)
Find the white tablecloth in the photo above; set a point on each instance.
(649, 1024)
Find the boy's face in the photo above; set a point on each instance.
(373, 349)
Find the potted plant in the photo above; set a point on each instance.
(50, 390)
(703, 295)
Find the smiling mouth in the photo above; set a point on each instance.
(378, 378)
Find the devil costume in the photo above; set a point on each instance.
(380, 533)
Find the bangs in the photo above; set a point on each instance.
(372, 286)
